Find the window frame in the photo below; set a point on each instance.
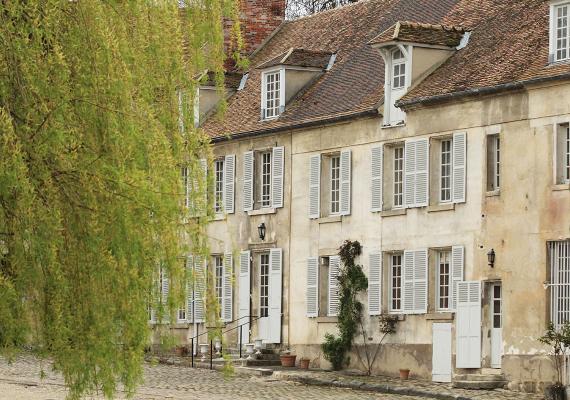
(398, 183)
(218, 277)
(334, 184)
(438, 282)
(264, 284)
(493, 162)
(554, 29)
(400, 64)
(219, 191)
(555, 248)
(392, 299)
(449, 176)
(279, 99)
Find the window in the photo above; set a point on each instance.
(445, 171)
(264, 285)
(185, 186)
(497, 306)
(493, 162)
(218, 279)
(398, 70)
(398, 177)
(559, 254)
(396, 282)
(560, 33)
(335, 184)
(443, 280)
(265, 179)
(562, 154)
(219, 185)
(272, 94)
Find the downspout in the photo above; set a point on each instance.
(289, 244)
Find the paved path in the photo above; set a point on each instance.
(21, 380)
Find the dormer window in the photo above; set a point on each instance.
(559, 32)
(273, 94)
(398, 69)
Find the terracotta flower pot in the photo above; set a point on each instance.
(304, 363)
(404, 374)
(287, 360)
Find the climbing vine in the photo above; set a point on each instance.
(351, 281)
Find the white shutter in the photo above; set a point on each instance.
(375, 283)
(229, 183)
(459, 160)
(334, 269)
(199, 289)
(422, 172)
(204, 201)
(278, 161)
(421, 281)
(248, 159)
(190, 288)
(315, 186)
(275, 294)
(164, 285)
(457, 271)
(244, 294)
(376, 168)
(345, 178)
(410, 174)
(312, 287)
(468, 325)
(227, 288)
(408, 282)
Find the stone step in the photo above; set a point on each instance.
(254, 371)
(479, 377)
(259, 363)
(491, 371)
(479, 385)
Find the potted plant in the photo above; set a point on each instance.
(287, 359)
(558, 340)
(304, 363)
(404, 373)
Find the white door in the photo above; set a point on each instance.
(468, 325)
(263, 321)
(496, 325)
(441, 353)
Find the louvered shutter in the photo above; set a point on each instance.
(199, 289)
(190, 288)
(375, 283)
(421, 281)
(410, 174)
(248, 159)
(244, 293)
(459, 167)
(227, 288)
(345, 181)
(457, 271)
(408, 282)
(165, 286)
(275, 294)
(334, 269)
(278, 160)
(468, 325)
(315, 186)
(422, 173)
(376, 168)
(312, 287)
(229, 183)
(203, 204)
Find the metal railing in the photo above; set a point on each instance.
(251, 318)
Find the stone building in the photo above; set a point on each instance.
(436, 133)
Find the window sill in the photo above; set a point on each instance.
(441, 207)
(393, 213)
(330, 220)
(327, 320)
(440, 316)
(561, 187)
(219, 217)
(493, 193)
(262, 211)
(398, 125)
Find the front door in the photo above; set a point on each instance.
(441, 352)
(263, 323)
(496, 325)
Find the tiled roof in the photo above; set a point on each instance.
(508, 50)
(413, 32)
(231, 80)
(300, 58)
(355, 84)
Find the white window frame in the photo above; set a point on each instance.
(559, 259)
(392, 287)
(219, 185)
(444, 255)
(335, 184)
(279, 102)
(265, 178)
(398, 184)
(447, 163)
(218, 276)
(400, 65)
(186, 185)
(567, 164)
(264, 285)
(495, 162)
(555, 50)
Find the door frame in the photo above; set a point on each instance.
(496, 332)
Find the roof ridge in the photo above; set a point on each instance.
(337, 9)
(426, 25)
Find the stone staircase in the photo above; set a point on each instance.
(485, 378)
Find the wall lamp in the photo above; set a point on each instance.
(491, 258)
(261, 230)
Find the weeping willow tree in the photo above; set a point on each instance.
(92, 138)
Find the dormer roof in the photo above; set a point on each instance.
(231, 79)
(420, 33)
(299, 58)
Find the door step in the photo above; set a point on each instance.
(479, 381)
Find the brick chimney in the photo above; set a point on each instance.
(259, 18)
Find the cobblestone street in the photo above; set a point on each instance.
(21, 380)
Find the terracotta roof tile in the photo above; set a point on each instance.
(300, 58)
(413, 32)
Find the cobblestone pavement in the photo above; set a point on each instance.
(21, 380)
